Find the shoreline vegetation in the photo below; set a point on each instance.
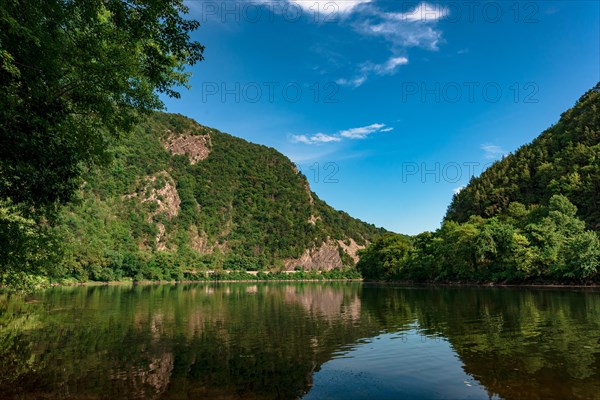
(199, 281)
(592, 285)
(40, 283)
(458, 284)
(323, 279)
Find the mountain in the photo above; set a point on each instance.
(179, 193)
(532, 217)
(564, 159)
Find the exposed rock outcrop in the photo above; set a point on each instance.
(324, 258)
(199, 241)
(351, 248)
(163, 194)
(196, 147)
(313, 219)
(160, 189)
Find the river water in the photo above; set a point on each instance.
(300, 340)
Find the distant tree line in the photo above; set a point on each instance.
(525, 244)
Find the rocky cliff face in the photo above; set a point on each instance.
(325, 257)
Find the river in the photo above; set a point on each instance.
(300, 340)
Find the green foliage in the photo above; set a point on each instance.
(74, 76)
(23, 255)
(386, 258)
(562, 160)
(527, 244)
(243, 208)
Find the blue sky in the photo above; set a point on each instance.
(388, 107)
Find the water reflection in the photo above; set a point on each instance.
(280, 341)
(392, 366)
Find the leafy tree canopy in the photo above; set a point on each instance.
(541, 244)
(73, 76)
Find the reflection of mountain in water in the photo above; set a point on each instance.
(265, 341)
(223, 341)
(326, 301)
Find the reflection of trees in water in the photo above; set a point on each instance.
(255, 341)
(518, 343)
(265, 340)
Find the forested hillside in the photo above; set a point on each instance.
(180, 197)
(94, 184)
(565, 160)
(531, 217)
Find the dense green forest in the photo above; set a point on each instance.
(531, 217)
(563, 160)
(221, 204)
(243, 207)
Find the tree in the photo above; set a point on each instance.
(386, 258)
(74, 75)
(22, 240)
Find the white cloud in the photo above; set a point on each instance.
(389, 67)
(362, 132)
(356, 82)
(300, 139)
(403, 35)
(323, 138)
(492, 151)
(330, 7)
(314, 139)
(352, 133)
(366, 69)
(414, 28)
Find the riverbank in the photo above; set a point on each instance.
(549, 285)
(185, 282)
(366, 282)
(225, 276)
(130, 282)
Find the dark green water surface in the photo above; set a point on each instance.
(311, 340)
